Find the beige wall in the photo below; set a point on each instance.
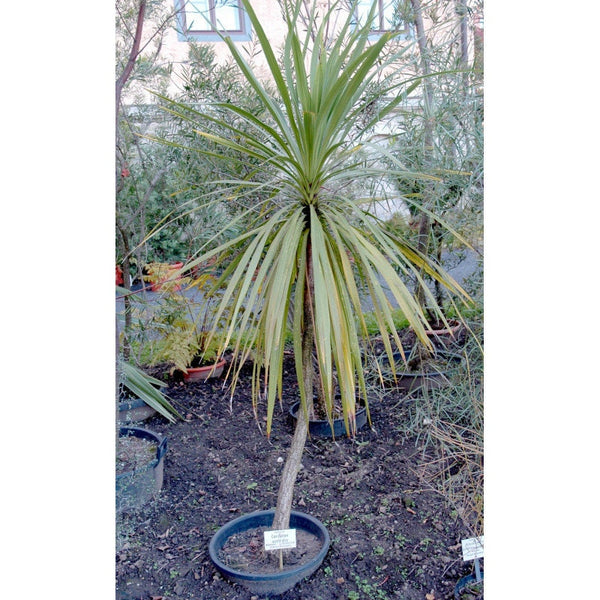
(175, 52)
(268, 11)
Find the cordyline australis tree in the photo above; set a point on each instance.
(310, 247)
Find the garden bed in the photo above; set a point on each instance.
(391, 537)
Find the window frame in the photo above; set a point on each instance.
(405, 32)
(200, 35)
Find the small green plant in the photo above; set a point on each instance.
(328, 571)
(353, 595)
(378, 550)
(339, 521)
(370, 590)
(424, 543)
(250, 490)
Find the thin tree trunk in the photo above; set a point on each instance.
(120, 84)
(133, 55)
(293, 461)
(464, 41)
(424, 220)
(127, 285)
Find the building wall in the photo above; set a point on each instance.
(174, 51)
(268, 11)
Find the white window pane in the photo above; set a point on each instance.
(388, 15)
(362, 11)
(197, 13)
(228, 15)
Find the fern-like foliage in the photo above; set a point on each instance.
(183, 336)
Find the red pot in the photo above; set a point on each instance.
(203, 373)
(447, 337)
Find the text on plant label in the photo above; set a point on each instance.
(280, 539)
(472, 548)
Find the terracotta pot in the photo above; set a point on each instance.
(203, 373)
(447, 337)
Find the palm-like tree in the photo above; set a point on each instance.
(312, 251)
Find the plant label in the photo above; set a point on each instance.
(472, 548)
(280, 539)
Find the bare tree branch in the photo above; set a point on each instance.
(133, 54)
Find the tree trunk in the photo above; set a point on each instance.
(461, 9)
(127, 285)
(133, 55)
(424, 220)
(292, 465)
(294, 457)
(120, 84)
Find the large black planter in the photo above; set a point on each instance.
(269, 583)
(320, 428)
(135, 488)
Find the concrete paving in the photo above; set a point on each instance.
(460, 265)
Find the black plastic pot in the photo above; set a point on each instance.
(135, 488)
(408, 381)
(269, 583)
(323, 428)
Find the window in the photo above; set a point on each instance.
(197, 20)
(386, 17)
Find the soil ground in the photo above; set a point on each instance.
(391, 537)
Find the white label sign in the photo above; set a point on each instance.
(280, 539)
(472, 548)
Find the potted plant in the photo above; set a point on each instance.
(310, 243)
(205, 360)
(186, 342)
